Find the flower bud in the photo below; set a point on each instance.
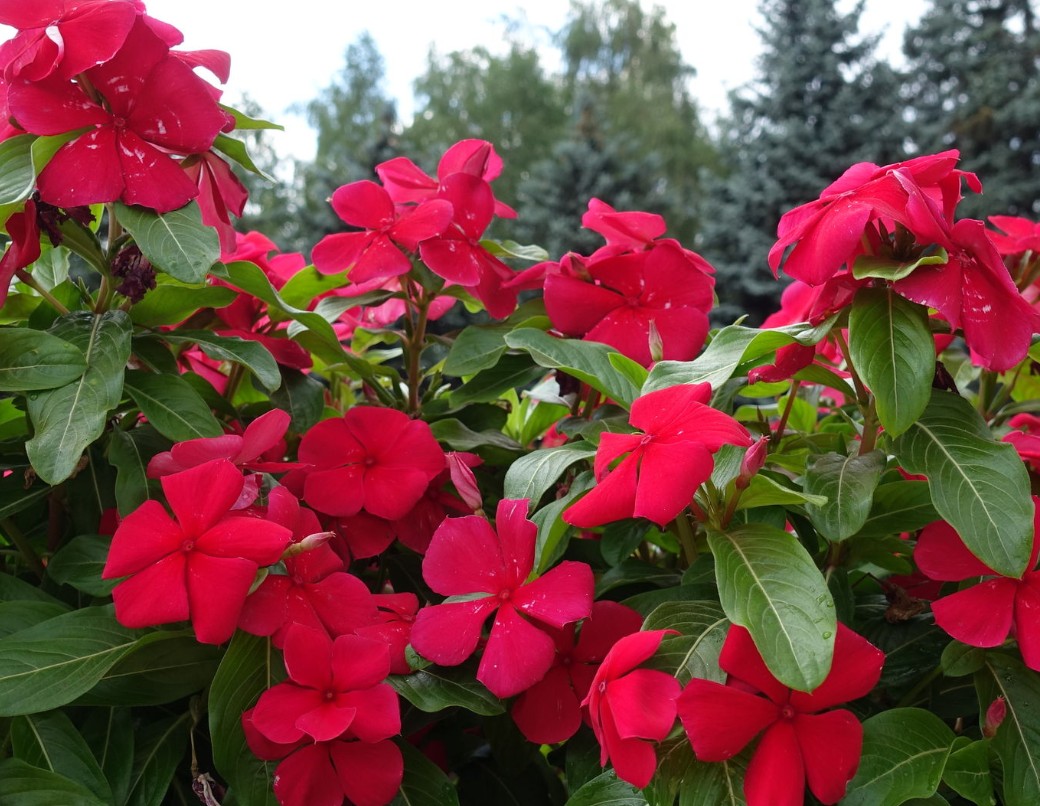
(464, 480)
(754, 459)
(994, 716)
(309, 543)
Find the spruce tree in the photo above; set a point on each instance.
(975, 86)
(821, 101)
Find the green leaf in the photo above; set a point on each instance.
(607, 790)
(167, 668)
(79, 563)
(729, 348)
(695, 651)
(867, 266)
(511, 372)
(17, 177)
(511, 249)
(109, 733)
(129, 453)
(769, 584)
(56, 661)
(632, 370)
(424, 783)
(172, 406)
(531, 475)
(177, 242)
(460, 437)
(236, 150)
(960, 659)
(1017, 741)
(435, 688)
(250, 354)
(302, 397)
(588, 361)
(15, 497)
(978, 485)
(24, 785)
(51, 742)
(168, 304)
(20, 615)
(894, 352)
(551, 527)
(245, 672)
(967, 773)
(904, 752)
(69, 418)
(847, 482)
(479, 347)
(35, 359)
(696, 783)
(159, 747)
(765, 491)
(899, 506)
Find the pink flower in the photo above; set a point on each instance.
(393, 626)
(665, 463)
(373, 459)
(1026, 438)
(221, 194)
(550, 711)
(335, 690)
(24, 230)
(628, 706)
(374, 253)
(199, 565)
(467, 556)
(798, 742)
(984, 614)
(1017, 234)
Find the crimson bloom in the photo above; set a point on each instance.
(1016, 234)
(798, 742)
(336, 688)
(466, 556)
(24, 230)
(156, 106)
(1026, 438)
(374, 459)
(984, 614)
(617, 300)
(628, 706)
(199, 564)
(550, 710)
(374, 253)
(664, 465)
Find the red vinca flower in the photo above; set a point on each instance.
(24, 249)
(1016, 234)
(664, 465)
(374, 253)
(550, 711)
(336, 689)
(156, 106)
(393, 626)
(466, 556)
(199, 564)
(373, 459)
(618, 300)
(316, 591)
(984, 614)
(1026, 438)
(628, 706)
(798, 742)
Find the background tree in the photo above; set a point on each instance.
(821, 101)
(974, 68)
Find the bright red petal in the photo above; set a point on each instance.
(560, 596)
(1027, 619)
(629, 652)
(217, 588)
(358, 663)
(308, 778)
(669, 475)
(517, 655)
(721, 720)
(740, 658)
(831, 745)
(328, 719)
(84, 171)
(202, 495)
(145, 536)
(980, 615)
(259, 541)
(464, 557)
(516, 536)
(151, 178)
(612, 499)
(378, 714)
(279, 708)
(448, 633)
(548, 712)
(155, 595)
(363, 204)
(855, 670)
(634, 760)
(605, 626)
(642, 703)
(337, 492)
(940, 554)
(776, 774)
(575, 306)
(368, 774)
(174, 109)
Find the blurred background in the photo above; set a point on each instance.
(719, 116)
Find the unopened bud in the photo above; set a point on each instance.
(656, 344)
(994, 716)
(309, 543)
(465, 482)
(754, 459)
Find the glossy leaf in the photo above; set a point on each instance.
(177, 242)
(695, 783)
(159, 748)
(510, 372)
(169, 303)
(247, 669)
(17, 177)
(605, 789)
(22, 784)
(69, 418)
(702, 628)
(17, 616)
(967, 773)
(1017, 740)
(894, 353)
(769, 584)
(978, 485)
(534, 473)
(109, 732)
(899, 506)
(435, 688)
(424, 783)
(588, 361)
(79, 563)
(50, 741)
(847, 482)
(129, 453)
(34, 359)
(172, 406)
(904, 752)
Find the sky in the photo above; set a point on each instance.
(284, 53)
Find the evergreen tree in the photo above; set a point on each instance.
(975, 68)
(821, 102)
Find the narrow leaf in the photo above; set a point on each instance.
(109, 732)
(894, 352)
(847, 482)
(769, 584)
(978, 485)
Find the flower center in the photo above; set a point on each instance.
(188, 545)
(787, 712)
(119, 123)
(505, 594)
(329, 694)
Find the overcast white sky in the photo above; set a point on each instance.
(285, 52)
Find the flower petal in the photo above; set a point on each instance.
(464, 556)
(548, 712)
(217, 588)
(202, 495)
(448, 633)
(634, 760)
(378, 714)
(669, 475)
(980, 615)
(279, 708)
(145, 536)
(368, 774)
(154, 595)
(855, 670)
(1027, 619)
(358, 663)
(721, 720)
(831, 745)
(560, 596)
(741, 659)
(941, 555)
(517, 655)
(308, 778)
(776, 774)
(642, 703)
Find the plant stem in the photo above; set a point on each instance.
(684, 532)
(785, 415)
(30, 281)
(416, 342)
(20, 541)
(870, 429)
